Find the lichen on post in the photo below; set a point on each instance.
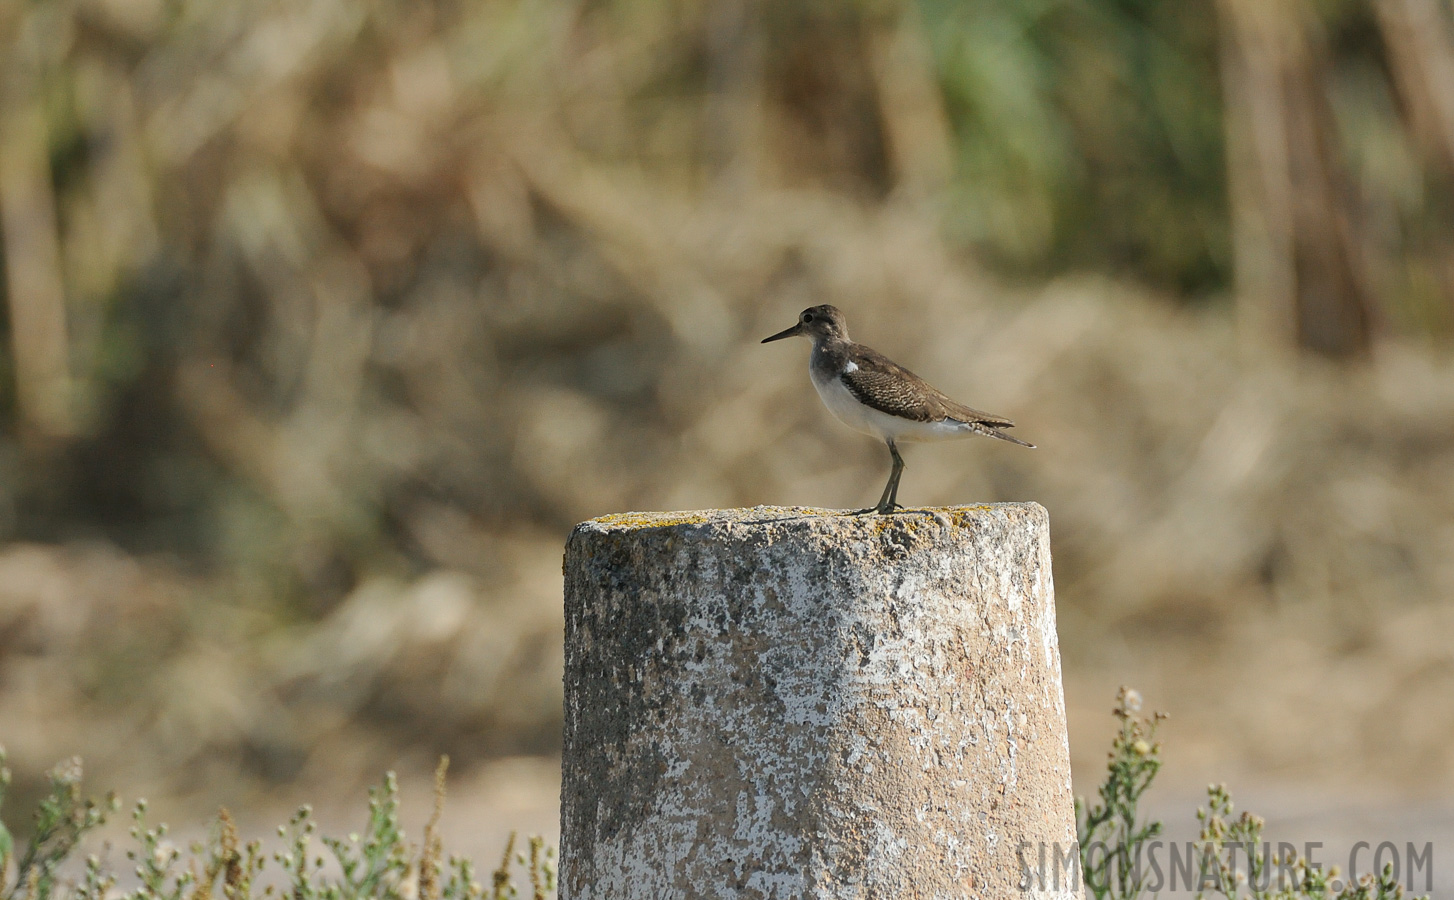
(780, 703)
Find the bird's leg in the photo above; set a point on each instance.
(886, 502)
(892, 490)
(882, 500)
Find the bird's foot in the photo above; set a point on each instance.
(881, 510)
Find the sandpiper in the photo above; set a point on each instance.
(871, 393)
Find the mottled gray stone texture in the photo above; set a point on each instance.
(780, 703)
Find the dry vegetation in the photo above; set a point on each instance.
(327, 320)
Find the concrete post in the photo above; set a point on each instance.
(784, 703)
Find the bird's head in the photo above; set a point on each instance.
(816, 322)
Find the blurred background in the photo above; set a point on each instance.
(322, 323)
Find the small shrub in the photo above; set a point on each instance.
(1113, 823)
(377, 864)
(1232, 859)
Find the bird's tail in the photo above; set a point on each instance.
(996, 430)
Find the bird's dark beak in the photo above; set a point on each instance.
(791, 332)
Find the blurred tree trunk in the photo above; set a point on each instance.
(1299, 260)
(1420, 43)
(1419, 39)
(734, 102)
(34, 287)
(916, 128)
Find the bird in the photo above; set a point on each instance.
(871, 393)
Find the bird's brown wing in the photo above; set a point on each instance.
(969, 414)
(888, 387)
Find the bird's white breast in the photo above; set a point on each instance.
(841, 402)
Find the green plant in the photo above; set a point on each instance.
(61, 820)
(1232, 859)
(378, 863)
(1266, 875)
(1111, 825)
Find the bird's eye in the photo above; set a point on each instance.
(807, 317)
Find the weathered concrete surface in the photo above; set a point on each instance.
(780, 702)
